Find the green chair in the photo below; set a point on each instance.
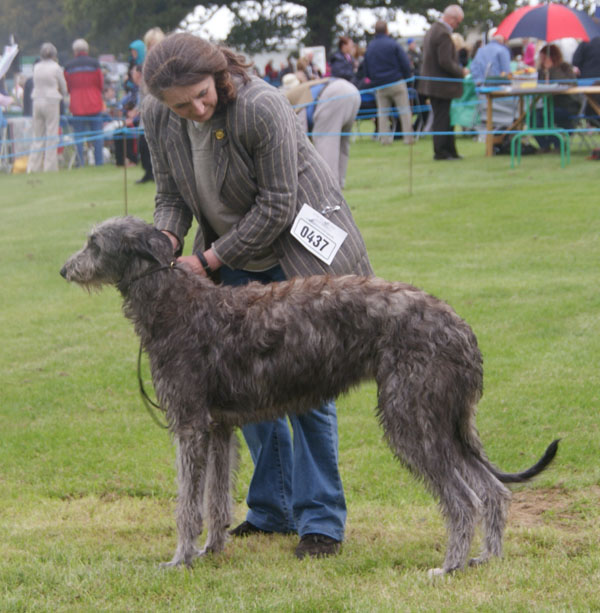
(548, 129)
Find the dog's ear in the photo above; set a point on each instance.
(153, 245)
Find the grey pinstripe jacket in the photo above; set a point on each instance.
(265, 168)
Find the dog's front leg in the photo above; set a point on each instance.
(192, 451)
(222, 450)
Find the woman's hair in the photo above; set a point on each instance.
(152, 37)
(302, 64)
(458, 40)
(476, 46)
(181, 60)
(48, 51)
(554, 53)
(343, 40)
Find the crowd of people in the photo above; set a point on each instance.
(82, 88)
(441, 75)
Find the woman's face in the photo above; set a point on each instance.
(546, 61)
(348, 48)
(197, 102)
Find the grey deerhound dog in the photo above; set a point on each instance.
(224, 356)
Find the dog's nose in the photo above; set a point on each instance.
(63, 272)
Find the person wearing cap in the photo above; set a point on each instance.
(228, 150)
(415, 57)
(49, 88)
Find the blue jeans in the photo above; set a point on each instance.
(296, 485)
(89, 123)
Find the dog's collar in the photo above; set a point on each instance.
(172, 265)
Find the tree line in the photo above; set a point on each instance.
(110, 25)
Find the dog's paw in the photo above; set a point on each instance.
(215, 543)
(174, 563)
(210, 548)
(181, 560)
(478, 561)
(434, 573)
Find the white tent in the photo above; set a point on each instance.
(10, 52)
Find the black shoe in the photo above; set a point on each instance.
(455, 156)
(317, 546)
(145, 179)
(442, 156)
(246, 529)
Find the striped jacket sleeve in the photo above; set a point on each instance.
(171, 211)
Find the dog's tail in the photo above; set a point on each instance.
(536, 469)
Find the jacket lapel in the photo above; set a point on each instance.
(221, 146)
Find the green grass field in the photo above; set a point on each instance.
(87, 481)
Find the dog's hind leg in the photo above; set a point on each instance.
(218, 505)
(495, 499)
(461, 507)
(192, 449)
(427, 447)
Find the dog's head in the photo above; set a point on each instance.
(117, 251)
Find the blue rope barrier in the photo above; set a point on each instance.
(63, 140)
(67, 139)
(124, 133)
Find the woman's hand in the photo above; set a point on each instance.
(193, 263)
(174, 240)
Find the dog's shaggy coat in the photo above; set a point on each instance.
(225, 356)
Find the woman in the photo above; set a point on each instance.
(49, 88)
(227, 150)
(342, 63)
(553, 69)
(152, 37)
(461, 48)
(302, 70)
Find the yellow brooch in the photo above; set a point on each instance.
(220, 134)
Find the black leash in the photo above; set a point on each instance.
(172, 265)
(148, 402)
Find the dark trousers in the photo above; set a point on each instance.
(125, 148)
(563, 118)
(145, 156)
(443, 144)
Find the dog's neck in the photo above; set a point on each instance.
(160, 288)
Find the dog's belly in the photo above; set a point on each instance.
(286, 385)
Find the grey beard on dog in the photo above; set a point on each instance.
(224, 356)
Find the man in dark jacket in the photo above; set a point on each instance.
(586, 63)
(85, 83)
(441, 79)
(387, 63)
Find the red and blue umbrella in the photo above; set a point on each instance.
(548, 22)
